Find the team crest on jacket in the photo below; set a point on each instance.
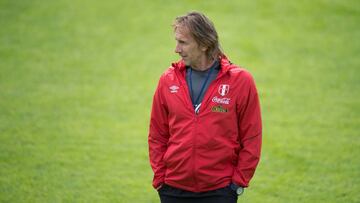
(223, 89)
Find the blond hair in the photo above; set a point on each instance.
(203, 31)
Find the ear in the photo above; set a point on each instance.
(203, 48)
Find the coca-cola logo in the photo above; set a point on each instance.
(221, 100)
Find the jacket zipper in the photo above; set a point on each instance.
(205, 98)
(209, 90)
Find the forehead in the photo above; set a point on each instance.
(183, 33)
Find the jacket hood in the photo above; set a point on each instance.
(225, 64)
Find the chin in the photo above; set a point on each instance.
(186, 62)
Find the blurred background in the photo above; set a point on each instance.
(77, 80)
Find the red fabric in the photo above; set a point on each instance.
(209, 150)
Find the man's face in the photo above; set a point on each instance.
(188, 48)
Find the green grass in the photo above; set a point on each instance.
(77, 79)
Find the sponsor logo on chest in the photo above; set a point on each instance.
(221, 100)
(219, 109)
(222, 90)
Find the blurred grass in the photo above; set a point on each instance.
(77, 79)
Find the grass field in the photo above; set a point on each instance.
(77, 79)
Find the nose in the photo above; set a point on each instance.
(177, 48)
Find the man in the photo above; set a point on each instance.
(205, 126)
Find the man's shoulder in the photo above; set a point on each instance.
(168, 74)
(234, 70)
(170, 70)
(239, 72)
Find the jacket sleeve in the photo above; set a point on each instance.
(158, 136)
(250, 133)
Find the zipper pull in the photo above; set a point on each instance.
(197, 108)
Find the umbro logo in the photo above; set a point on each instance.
(173, 89)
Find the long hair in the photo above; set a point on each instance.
(203, 31)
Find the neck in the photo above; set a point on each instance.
(203, 65)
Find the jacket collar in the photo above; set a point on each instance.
(225, 65)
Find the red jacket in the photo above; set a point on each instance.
(209, 150)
